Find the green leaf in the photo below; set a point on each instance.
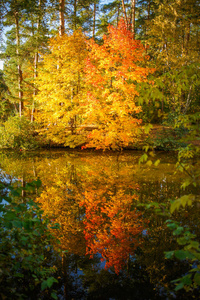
(197, 278)
(182, 201)
(182, 240)
(187, 279)
(179, 286)
(197, 255)
(10, 215)
(146, 148)
(169, 254)
(182, 254)
(54, 296)
(43, 285)
(147, 128)
(172, 226)
(195, 244)
(15, 193)
(186, 183)
(178, 230)
(149, 163)
(17, 224)
(50, 281)
(143, 158)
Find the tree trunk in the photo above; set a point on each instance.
(125, 14)
(130, 23)
(187, 36)
(118, 10)
(65, 275)
(75, 14)
(61, 17)
(149, 10)
(94, 21)
(20, 77)
(36, 63)
(133, 18)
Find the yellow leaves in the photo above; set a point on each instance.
(80, 88)
(60, 81)
(182, 201)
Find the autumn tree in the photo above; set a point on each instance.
(60, 82)
(112, 73)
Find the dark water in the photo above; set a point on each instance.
(112, 213)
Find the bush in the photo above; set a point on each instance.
(18, 133)
(25, 249)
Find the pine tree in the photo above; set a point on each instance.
(26, 35)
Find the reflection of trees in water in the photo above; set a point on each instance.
(113, 227)
(59, 202)
(159, 190)
(108, 190)
(162, 271)
(108, 216)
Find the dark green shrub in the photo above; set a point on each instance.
(25, 248)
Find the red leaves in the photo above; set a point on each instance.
(112, 72)
(111, 227)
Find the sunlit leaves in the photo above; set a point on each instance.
(182, 201)
(112, 72)
(60, 81)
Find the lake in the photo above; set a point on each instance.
(112, 214)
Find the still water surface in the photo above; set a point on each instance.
(114, 245)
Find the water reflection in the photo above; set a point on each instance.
(113, 226)
(95, 208)
(94, 197)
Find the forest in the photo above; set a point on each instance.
(107, 77)
(92, 74)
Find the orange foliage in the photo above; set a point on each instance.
(112, 227)
(95, 207)
(112, 72)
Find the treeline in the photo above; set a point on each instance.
(76, 66)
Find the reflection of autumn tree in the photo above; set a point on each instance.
(112, 226)
(58, 201)
(104, 190)
(104, 185)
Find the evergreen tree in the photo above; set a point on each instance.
(5, 106)
(27, 35)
